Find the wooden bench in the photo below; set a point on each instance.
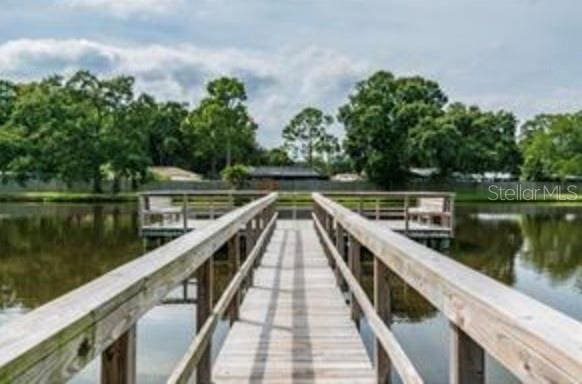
(427, 209)
(162, 205)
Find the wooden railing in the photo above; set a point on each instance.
(536, 343)
(55, 341)
(387, 347)
(181, 206)
(406, 206)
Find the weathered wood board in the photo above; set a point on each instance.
(294, 323)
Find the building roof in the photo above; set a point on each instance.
(292, 172)
(174, 174)
(347, 177)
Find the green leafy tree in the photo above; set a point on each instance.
(466, 139)
(552, 146)
(166, 141)
(220, 129)
(77, 129)
(127, 146)
(85, 140)
(277, 157)
(8, 95)
(307, 137)
(40, 117)
(436, 144)
(488, 139)
(9, 138)
(236, 175)
(380, 114)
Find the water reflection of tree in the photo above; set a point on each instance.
(554, 245)
(43, 257)
(488, 246)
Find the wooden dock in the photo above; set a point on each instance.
(294, 325)
(415, 230)
(295, 301)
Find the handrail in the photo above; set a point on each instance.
(187, 364)
(403, 365)
(533, 341)
(389, 193)
(53, 342)
(190, 192)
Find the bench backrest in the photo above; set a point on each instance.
(436, 204)
(157, 202)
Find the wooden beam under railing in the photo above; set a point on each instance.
(538, 344)
(230, 297)
(386, 342)
(55, 341)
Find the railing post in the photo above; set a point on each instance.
(354, 262)
(340, 246)
(382, 305)
(211, 213)
(185, 212)
(452, 215)
(203, 310)
(234, 262)
(467, 358)
(294, 206)
(377, 209)
(406, 224)
(249, 240)
(118, 361)
(141, 207)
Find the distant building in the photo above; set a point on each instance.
(174, 174)
(347, 177)
(285, 173)
(424, 173)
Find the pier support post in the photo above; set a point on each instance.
(467, 359)
(234, 262)
(382, 304)
(354, 262)
(203, 311)
(118, 360)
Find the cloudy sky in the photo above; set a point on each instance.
(522, 55)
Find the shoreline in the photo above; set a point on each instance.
(126, 197)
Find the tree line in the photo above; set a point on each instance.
(86, 129)
(83, 128)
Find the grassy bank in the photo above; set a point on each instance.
(66, 197)
(486, 197)
(285, 198)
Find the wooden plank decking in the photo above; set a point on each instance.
(294, 325)
(416, 230)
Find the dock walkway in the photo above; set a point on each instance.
(291, 321)
(294, 325)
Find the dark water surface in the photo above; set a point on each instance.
(47, 250)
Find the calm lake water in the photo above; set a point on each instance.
(47, 250)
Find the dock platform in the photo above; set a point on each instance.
(294, 325)
(416, 230)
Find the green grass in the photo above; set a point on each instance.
(285, 198)
(485, 197)
(67, 197)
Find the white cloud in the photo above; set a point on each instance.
(124, 8)
(278, 84)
